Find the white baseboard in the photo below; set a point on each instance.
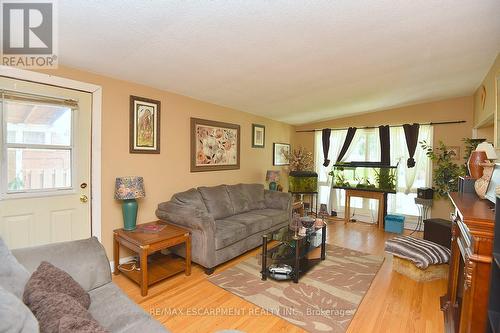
(122, 261)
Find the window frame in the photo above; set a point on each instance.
(5, 193)
(327, 183)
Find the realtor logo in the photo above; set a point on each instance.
(28, 34)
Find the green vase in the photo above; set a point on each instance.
(129, 209)
(273, 186)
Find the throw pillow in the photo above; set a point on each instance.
(51, 307)
(13, 275)
(15, 316)
(49, 278)
(76, 324)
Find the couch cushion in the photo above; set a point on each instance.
(256, 194)
(13, 275)
(118, 314)
(217, 201)
(190, 198)
(253, 222)
(228, 232)
(15, 316)
(240, 198)
(277, 215)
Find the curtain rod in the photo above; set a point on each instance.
(368, 127)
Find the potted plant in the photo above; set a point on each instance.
(301, 177)
(386, 179)
(446, 171)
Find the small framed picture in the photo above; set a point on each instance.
(144, 126)
(456, 152)
(280, 151)
(258, 136)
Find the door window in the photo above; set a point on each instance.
(37, 146)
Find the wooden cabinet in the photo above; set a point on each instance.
(466, 301)
(494, 300)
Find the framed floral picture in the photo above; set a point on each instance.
(258, 136)
(214, 145)
(144, 125)
(280, 150)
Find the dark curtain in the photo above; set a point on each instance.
(325, 137)
(385, 144)
(348, 139)
(411, 134)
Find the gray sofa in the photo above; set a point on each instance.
(226, 220)
(86, 261)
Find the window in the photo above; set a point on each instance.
(365, 146)
(38, 146)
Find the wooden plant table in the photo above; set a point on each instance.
(145, 244)
(378, 195)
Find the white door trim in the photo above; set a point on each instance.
(96, 91)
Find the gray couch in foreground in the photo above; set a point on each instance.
(226, 220)
(87, 263)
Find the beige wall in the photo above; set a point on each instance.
(482, 115)
(168, 172)
(451, 109)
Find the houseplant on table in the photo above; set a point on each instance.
(301, 177)
(446, 171)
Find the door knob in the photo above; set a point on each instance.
(84, 198)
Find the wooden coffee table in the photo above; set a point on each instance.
(146, 244)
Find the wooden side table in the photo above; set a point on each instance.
(146, 244)
(380, 196)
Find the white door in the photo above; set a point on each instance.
(45, 138)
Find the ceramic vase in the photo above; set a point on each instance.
(474, 164)
(481, 185)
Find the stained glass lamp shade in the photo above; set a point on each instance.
(128, 189)
(272, 176)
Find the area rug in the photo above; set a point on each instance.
(324, 300)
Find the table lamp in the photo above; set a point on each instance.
(273, 176)
(488, 149)
(129, 189)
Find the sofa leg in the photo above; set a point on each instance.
(209, 271)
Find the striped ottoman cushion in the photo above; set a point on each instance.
(419, 251)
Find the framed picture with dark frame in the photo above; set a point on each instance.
(280, 150)
(144, 125)
(258, 136)
(214, 145)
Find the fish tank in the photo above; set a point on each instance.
(368, 176)
(302, 181)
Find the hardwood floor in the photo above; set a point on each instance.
(394, 303)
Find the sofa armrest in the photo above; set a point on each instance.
(186, 216)
(85, 260)
(278, 200)
(201, 225)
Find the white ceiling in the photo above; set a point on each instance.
(294, 61)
